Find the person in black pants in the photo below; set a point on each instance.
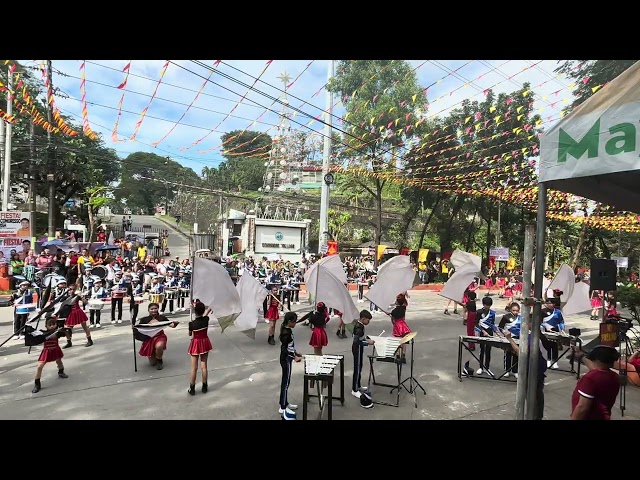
(486, 325)
(511, 321)
(136, 289)
(357, 348)
(288, 355)
(24, 295)
(116, 301)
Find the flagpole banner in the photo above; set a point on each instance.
(251, 293)
(457, 284)
(388, 285)
(423, 253)
(399, 261)
(213, 286)
(332, 264)
(466, 262)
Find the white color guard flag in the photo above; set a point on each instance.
(212, 285)
(152, 329)
(565, 281)
(251, 294)
(467, 267)
(399, 261)
(332, 292)
(579, 301)
(332, 264)
(394, 279)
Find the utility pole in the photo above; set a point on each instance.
(222, 224)
(2, 137)
(7, 144)
(541, 233)
(32, 178)
(51, 158)
(326, 157)
(523, 356)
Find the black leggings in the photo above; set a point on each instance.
(485, 352)
(164, 305)
(551, 347)
(116, 302)
(133, 311)
(510, 359)
(358, 354)
(285, 363)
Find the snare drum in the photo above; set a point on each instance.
(25, 308)
(171, 293)
(156, 298)
(118, 293)
(184, 292)
(95, 304)
(138, 300)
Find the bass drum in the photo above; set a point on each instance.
(99, 271)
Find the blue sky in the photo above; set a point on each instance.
(179, 87)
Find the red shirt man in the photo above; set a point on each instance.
(595, 393)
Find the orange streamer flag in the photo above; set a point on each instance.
(204, 84)
(144, 112)
(85, 114)
(228, 114)
(114, 134)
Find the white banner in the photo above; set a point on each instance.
(395, 280)
(621, 262)
(212, 285)
(15, 224)
(20, 245)
(501, 253)
(251, 293)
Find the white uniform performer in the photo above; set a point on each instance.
(117, 297)
(136, 291)
(97, 294)
(170, 284)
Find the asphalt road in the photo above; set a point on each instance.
(244, 376)
(178, 244)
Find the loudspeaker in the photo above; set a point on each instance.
(603, 274)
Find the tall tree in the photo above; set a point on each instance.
(383, 101)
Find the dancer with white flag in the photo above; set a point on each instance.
(200, 346)
(150, 331)
(467, 267)
(212, 285)
(330, 290)
(251, 293)
(333, 265)
(393, 280)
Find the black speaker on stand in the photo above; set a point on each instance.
(603, 274)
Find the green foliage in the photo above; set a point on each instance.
(588, 74)
(337, 223)
(629, 297)
(138, 193)
(246, 153)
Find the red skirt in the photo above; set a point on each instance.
(50, 354)
(198, 346)
(76, 317)
(273, 313)
(148, 347)
(596, 302)
(319, 338)
(508, 292)
(400, 328)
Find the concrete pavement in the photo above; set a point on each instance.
(244, 375)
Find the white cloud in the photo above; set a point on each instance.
(220, 96)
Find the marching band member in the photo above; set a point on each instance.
(486, 326)
(272, 315)
(98, 292)
(511, 322)
(153, 347)
(400, 327)
(51, 352)
(117, 297)
(610, 304)
(288, 355)
(341, 326)
(357, 348)
(169, 282)
(76, 317)
(200, 346)
(553, 322)
(156, 286)
(183, 282)
(298, 278)
(23, 296)
(135, 290)
(470, 308)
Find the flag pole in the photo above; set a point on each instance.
(135, 358)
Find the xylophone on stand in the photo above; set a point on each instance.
(564, 340)
(319, 369)
(385, 349)
(504, 344)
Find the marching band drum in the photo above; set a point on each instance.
(26, 309)
(95, 304)
(184, 292)
(157, 298)
(171, 293)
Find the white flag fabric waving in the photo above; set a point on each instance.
(213, 286)
(331, 291)
(399, 261)
(579, 301)
(467, 267)
(251, 294)
(110, 240)
(393, 280)
(332, 264)
(151, 329)
(565, 281)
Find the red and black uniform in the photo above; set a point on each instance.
(400, 327)
(200, 343)
(149, 342)
(318, 321)
(273, 312)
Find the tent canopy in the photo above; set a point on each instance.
(594, 151)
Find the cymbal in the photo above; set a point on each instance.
(408, 337)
